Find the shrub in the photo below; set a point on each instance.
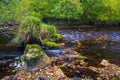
(31, 30)
(8, 10)
(68, 9)
(28, 31)
(48, 31)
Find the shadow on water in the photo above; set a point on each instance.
(9, 57)
(97, 53)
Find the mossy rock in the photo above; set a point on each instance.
(51, 45)
(33, 57)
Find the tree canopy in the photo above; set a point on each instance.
(82, 10)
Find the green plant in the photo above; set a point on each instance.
(58, 37)
(8, 10)
(80, 57)
(48, 31)
(33, 46)
(23, 10)
(68, 9)
(29, 30)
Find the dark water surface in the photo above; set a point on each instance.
(9, 57)
(100, 34)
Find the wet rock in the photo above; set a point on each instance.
(66, 58)
(86, 58)
(105, 63)
(66, 64)
(42, 78)
(34, 56)
(68, 51)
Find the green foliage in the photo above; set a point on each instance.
(50, 45)
(29, 28)
(8, 10)
(92, 8)
(112, 10)
(101, 10)
(80, 57)
(36, 78)
(33, 46)
(58, 37)
(23, 10)
(43, 7)
(48, 31)
(70, 9)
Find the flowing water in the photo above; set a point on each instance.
(97, 45)
(110, 34)
(9, 57)
(100, 41)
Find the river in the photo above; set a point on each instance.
(102, 40)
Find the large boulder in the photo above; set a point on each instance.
(34, 57)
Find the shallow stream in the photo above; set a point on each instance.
(100, 43)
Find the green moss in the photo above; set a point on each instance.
(33, 50)
(33, 56)
(33, 46)
(58, 37)
(51, 44)
(80, 57)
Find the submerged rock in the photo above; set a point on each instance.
(75, 78)
(34, 56)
